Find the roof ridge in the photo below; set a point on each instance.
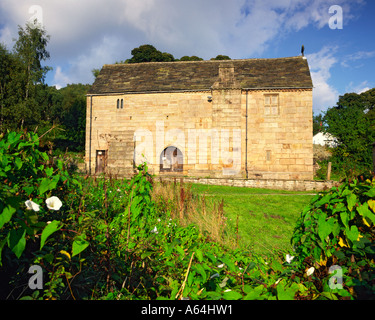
(200, 61)
(287, 72)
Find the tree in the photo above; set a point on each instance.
(21, 75)
(6, 64)
(95, 72)
(369, 102)
(148, 53)
(350, 124)
(192, 58)
(73, 114)
(30, 50)
(221, 57)
(317, 123)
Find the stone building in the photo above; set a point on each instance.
(249, 118)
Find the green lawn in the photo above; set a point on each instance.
(266, 218)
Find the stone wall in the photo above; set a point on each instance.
(210, 132)
(290, 185)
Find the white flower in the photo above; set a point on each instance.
(30, 205)
(155, 230)
(53, 203)
(215, 275)
(227, 290)
(221, 265)
(310, 271)
(278, 280)
(289, 258)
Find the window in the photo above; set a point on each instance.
(271, 104)
(120, 103)
(268, 155)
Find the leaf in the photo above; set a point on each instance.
(6, 215)
(201, 271)
(2, 243)
(329, 295)
(364, 211)
(28, 190)
(48, 171)
(199, 255)
(324, 226)
(18, 163)
(17, 241)
(32, 217)
(370, 193)
(255, 293)
(65, 253)
(342, 243)
(48, 230)
(191, 278)
(351, 200)
(146, 254)
(286, 293)
(79, 245)
(371, 204)
(48, 184)
(325, 199)
(344, 218)
(230, 264)
(232, 295)
(365, 222)
(180, 251)
(352, 234)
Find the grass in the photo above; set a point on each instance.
(262, 220)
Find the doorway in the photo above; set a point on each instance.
(100, 161)
(171, 160)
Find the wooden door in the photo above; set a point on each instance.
(100, 161)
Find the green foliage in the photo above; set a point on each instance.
(191, 58)
(350, 122)
(21, 75)
(317, 123)
(337, 228)
(27, 103)
(29, 177)
(108, 239)
(221, 57)
(148, 53)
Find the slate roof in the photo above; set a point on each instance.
(291, 72)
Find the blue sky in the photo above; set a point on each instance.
(87, 34)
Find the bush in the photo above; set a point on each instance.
(108, 239)
(337, 230)
(33, 206)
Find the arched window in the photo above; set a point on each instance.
(171, 160)
(118, 103)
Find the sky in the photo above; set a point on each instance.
(338, 35)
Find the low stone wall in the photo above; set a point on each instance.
(292, 185)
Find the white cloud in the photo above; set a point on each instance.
(60, 79)
(349, 60)
(358, 88)
(86, 34)
(324, 95)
